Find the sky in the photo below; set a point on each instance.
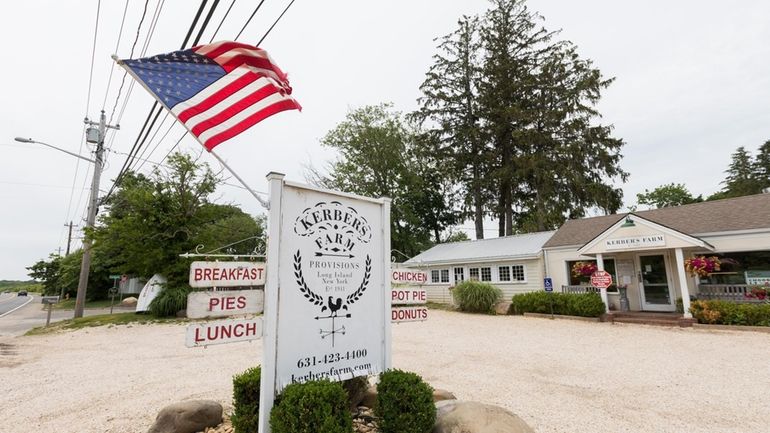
(692, 83)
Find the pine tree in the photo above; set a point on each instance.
(449, 108)
(761, 166)
(741, 178)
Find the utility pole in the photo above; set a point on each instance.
(93, 135)
(69, 237)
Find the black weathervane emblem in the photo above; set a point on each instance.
(335, 308)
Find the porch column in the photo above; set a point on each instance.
(602, 290)
(683, 282)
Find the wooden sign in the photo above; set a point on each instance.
(224, 303)
(408, 296)
(226, 274)
(408, 314)
(224, 331)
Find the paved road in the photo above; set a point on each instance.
(34, 314)
(10, 302)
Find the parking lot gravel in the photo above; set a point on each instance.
(558, 375)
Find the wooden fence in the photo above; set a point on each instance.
(727, 292)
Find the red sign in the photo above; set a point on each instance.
(601, 279)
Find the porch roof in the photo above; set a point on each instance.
(727, 215)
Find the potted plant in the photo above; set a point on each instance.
(702, 266)
(583, 270)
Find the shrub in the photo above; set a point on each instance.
(476, 297)
(246, 400)
(730, 313)
(312, 407)
(169, 301)
(404, 403)
(570, 304)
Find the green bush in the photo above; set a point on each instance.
(169, 301)
(246, 385)
(730, 313)
(312, 407)
(404, 403)
(568, 304)
(476, 297)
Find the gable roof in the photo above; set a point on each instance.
(733, 214)
(509, 247)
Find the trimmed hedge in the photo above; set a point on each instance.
(568, 304)
(312, 407)
(404, 403)
(246, 386)
(476, 297)
(730, 313)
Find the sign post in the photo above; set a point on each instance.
(548, 283)
(114, 289)
(49, 301)
(327, 294)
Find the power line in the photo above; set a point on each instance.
(222, 22)
(137, 144)
(93, 56)
(249, 20)
(133, 46)
(205, 23)
(276, 22)
(112, 64)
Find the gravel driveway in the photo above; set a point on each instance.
(560, 376)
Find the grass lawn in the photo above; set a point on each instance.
(69, 304)
(102, 320)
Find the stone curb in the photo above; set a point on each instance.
(765, 329)
(557, 316)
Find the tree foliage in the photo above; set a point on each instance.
(672, 194)
(381, 155)
(515, 111)
(150, 220)
(746, 175)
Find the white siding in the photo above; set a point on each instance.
(533, 268)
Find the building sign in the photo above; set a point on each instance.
(657, 240)
(226, 331)
(408, 314)
(226, 274)
(601, 279)
(758, 278)
(333, 274)
(408, 276)
(226, 303)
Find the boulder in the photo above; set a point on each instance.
(370, 396)
(501, 308)
(129, 302)
(442, 394)
(187, 417)
(453, 416)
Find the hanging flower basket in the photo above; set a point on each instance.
(701, 266)
(583, 269)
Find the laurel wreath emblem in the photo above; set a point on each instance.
(315, 298)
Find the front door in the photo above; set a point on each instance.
(654, 283)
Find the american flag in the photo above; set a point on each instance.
(218, 90)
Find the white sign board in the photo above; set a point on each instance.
(408, 314)
(412, 277)
(630, 243)
(408, 296)
(333, 278)
(224, 331)
(224, 303)
(226, 274)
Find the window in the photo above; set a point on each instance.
(518, 273)
(473, 274)
(486, 274)
(459, 274)
(439, 276)
(504, 273)
(578, 280)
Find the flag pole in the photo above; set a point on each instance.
(261, 201)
